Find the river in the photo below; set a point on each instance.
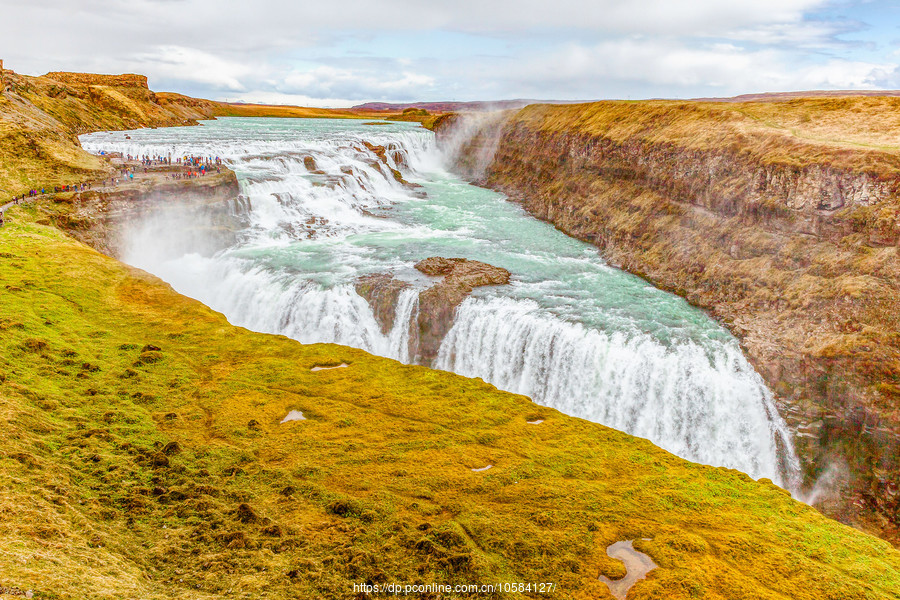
(569, 331)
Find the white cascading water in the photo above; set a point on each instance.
(569, 331)
(284, 304)
(681, 395)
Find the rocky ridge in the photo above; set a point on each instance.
(88, 79)
(105, 217)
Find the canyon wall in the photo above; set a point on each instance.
(200, 215)
(126, 80)
(779, 218)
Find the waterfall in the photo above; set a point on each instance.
(260, 300)
(404, 321)
(292, 198)
(323, 208)
(707, 407)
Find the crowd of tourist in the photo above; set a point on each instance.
(190, 167)
(147, 160)
(197, 166)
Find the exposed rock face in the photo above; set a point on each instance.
(105, 218)
(437, 304)
(382, 292)
(126, 80)
(382, 153)
(791, 244)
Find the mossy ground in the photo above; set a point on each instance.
(143, 457)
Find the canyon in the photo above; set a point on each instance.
(332, 223)
(779, 217)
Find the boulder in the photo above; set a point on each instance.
(437, 304)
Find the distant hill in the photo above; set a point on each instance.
(773, 96)
(452, 106)
(443, 107)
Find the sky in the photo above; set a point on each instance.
(347, 52)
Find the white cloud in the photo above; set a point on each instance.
(802, 34)
(362, 50)
(232, 26)
(672, 17)
(658, 64)
(185, 64)
(842, 74)
(284, 16)
(356, 84)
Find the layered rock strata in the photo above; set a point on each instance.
(199, 215)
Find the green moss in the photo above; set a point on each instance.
(161, 470)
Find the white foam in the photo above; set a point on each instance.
(707, 407)
(294, 415)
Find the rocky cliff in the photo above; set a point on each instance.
(200, 215)
(126, 80)
(780, 218)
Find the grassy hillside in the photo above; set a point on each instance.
(143, 456)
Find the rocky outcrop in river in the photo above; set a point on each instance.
(437, 304)
(786, 235)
